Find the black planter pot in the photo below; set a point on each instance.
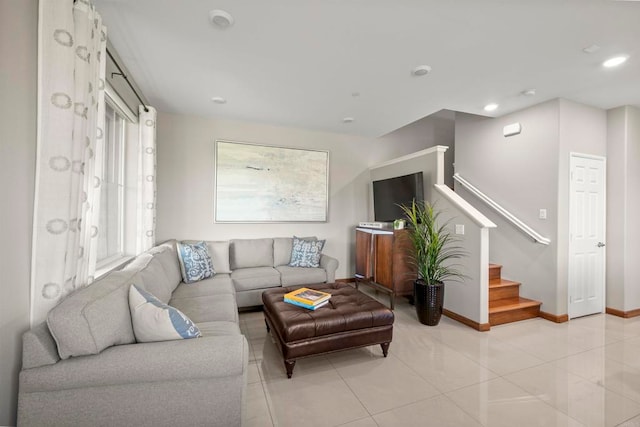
(429, 300)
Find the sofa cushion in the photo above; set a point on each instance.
(152, 274)
(306, 253)
(208, 308)
(94, 317)
(282, 250)
(255, 278)
(291, 276)
(219, 252)
(210, 329)
(167, 254)
(217, 285)
(248, 253)
(154, 321)
(138, 262)
(195, 262)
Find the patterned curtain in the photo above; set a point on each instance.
(147, 180)
(72, 57)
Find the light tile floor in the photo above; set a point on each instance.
(533, 373)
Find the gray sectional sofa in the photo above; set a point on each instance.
(83, 366)
(259, 264)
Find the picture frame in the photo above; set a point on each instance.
(258, 183)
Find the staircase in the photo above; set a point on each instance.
(505, 303)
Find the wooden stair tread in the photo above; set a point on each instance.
(508, 304)
(500, 283)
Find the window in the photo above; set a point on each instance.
(110, 237)
(118, 195)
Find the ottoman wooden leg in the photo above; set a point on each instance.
(267, 325)
(385, 348)
(289, 365)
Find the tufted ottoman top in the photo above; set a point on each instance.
(347, 310)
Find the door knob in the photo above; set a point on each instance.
(600, 244)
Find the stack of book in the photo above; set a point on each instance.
(307, 298)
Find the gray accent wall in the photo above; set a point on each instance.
(18, 50)
(521, 174)
(623, 203)
(436, 129)
(525, 173)
(425, 163)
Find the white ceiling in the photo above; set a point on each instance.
(298, 62)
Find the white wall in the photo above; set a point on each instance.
(623, 203)
(521, 174)
(18, 50)
(185, 182)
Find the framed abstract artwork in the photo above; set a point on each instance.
(266, 183)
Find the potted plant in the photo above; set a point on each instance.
(434, 248)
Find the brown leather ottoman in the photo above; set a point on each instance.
(351, 319)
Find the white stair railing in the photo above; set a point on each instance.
(502, 211)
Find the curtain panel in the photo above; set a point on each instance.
(72, 58)
(147, 180)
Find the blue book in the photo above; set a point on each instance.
(300, 304)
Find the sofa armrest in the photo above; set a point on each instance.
(38, 347)
(179, 360)
(330, 265)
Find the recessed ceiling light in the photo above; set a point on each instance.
(348, 120)
(490, 107)
(528, 92)
(221, 19)
(219, 100)
(615, 61)
(421, 70)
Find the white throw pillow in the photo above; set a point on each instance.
(154, 321)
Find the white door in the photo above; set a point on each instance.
(587, 235)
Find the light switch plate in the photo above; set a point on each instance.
(543, 214)
(459, 228)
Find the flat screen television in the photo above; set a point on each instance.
(389, 193)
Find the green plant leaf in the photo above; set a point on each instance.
(434, 246)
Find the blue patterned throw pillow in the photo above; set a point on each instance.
(306, 253)
(155, 321)
(195, 262)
